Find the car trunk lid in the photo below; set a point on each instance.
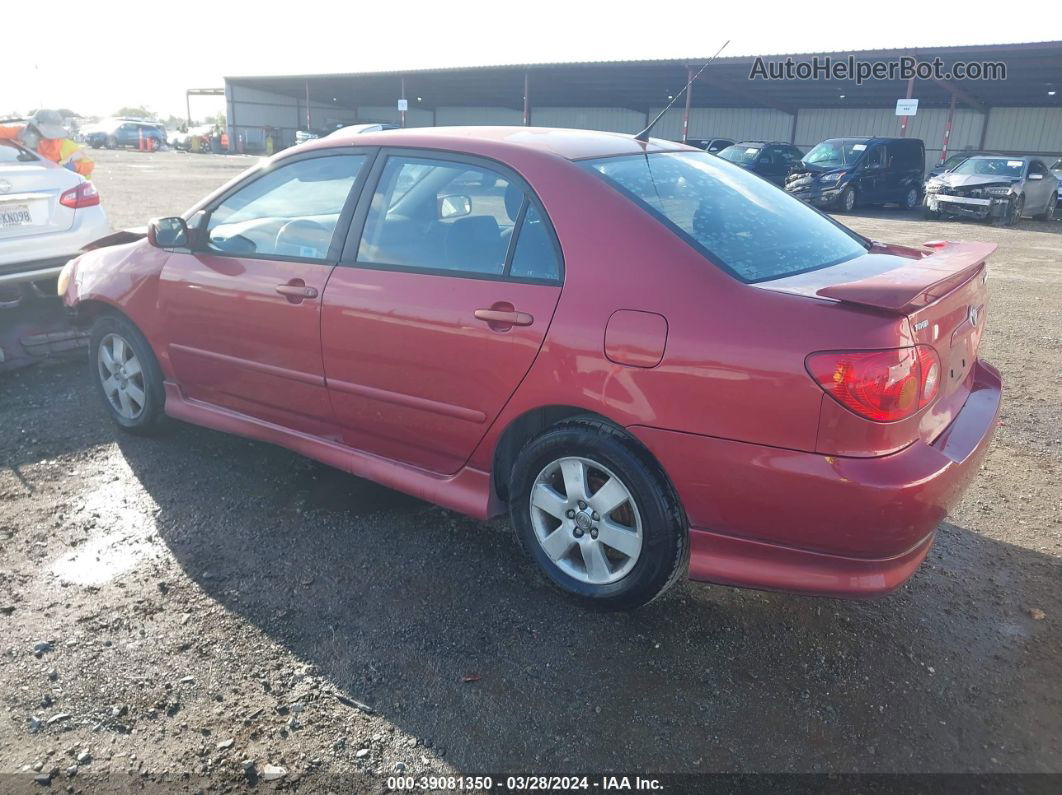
(29, 199)
(940, 288)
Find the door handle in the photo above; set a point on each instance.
(296, 291)
(504, 319)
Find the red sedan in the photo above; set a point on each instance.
(656, 361)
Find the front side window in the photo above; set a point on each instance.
(290, 211)
(736, 219)
(440, 215)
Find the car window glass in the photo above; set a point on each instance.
(535, 256)
(441, 215)
(876, 157)
(290, 211)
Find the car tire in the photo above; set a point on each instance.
(127, 375)
(1015, 210)
(910, 199)
(1049, 210)
(646, 523)
(846, 202)
(112, 142)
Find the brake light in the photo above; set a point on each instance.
(83, 195)
(883, 386)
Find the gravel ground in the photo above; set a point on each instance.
(196, 610)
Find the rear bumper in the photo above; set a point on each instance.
(764, 517)
(42, 256)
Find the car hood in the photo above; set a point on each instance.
(953, 180)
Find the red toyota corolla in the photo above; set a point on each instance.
(652, 358)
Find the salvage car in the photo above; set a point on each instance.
(994, 188)
(117, 133)
(655, 361)
(844, 173)
(772, 160)
(47, 213)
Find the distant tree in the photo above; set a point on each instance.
(218, 120)
(139, 112)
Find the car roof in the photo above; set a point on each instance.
(496, 141)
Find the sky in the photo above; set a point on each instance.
(96, 58)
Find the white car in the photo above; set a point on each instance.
(47, 213)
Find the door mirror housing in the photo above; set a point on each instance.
(457, 206)
(168, 233)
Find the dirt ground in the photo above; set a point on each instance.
(200, 610)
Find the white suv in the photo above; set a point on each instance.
(47, 213)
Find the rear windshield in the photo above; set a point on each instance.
(736, 219)
(10, 152)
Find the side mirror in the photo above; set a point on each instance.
(168, 233)
(454, 207)
(1036, 176)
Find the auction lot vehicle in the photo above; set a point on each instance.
(123, 132)
(47, 213)
(1001, 188)
(652, 358)
(771, 160)
(844, 173)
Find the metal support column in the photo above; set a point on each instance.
(309, 123)
(527, 99)
(402, 113)
(947, 129)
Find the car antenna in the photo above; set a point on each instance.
(643, 136)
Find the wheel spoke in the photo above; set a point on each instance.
(594, 559)
(574, 473)
(548, 500)
(132, 367)
(108, 359)
(126, 404)
(557, 543)
(609, 497)
(619, 538)
(110, 385)
(118, 349)
(136, 393)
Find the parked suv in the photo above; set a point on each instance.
(770, 159)
(843, 173)
(120, 132)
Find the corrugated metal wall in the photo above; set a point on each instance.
(1012, 130)
(1025, 130)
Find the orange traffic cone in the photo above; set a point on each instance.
(140, 141)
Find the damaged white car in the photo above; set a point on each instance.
(999, 188)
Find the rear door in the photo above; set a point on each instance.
(30, 189)
(1038, 191)
(242, 312)
(438, 308)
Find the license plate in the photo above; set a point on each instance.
(15, 215)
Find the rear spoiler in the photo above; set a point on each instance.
(918, 282)
(117, 238)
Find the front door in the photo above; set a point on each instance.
(242, 313)
(438, 308)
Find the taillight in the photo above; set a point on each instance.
(84, 195)
(883, 386)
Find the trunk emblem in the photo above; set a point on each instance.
(921, 325)
(5, 186)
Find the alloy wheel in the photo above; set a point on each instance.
(586, 520)
(849, 200)
(121, 376)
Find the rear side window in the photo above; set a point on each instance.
(739, 221)
(450, 216)
(290, 211)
